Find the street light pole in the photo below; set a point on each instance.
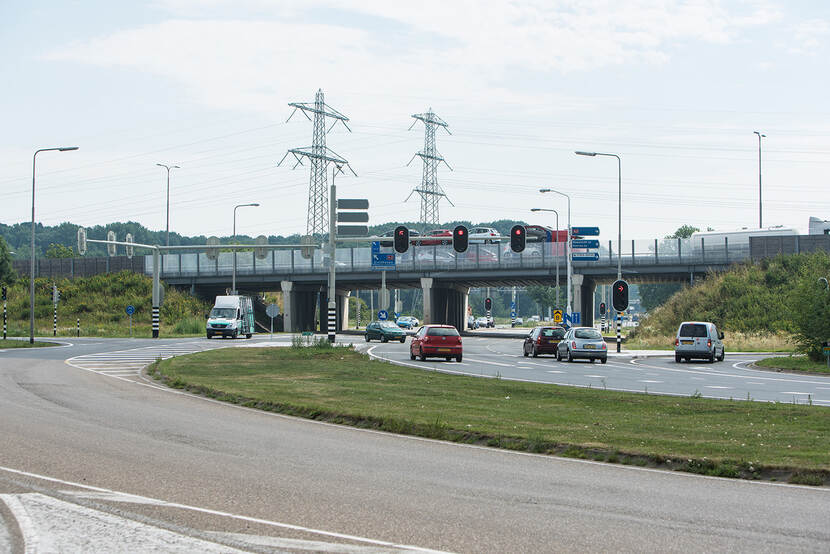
(567, 248)
(32, 252)
(760, 212)
(168, 168)
(557, 248)
(619, 204)
(233, 278)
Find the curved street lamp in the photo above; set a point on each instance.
(168, 168)
(567, 246)
(233, 279)
(32, 253)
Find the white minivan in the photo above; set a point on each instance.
(698, 339)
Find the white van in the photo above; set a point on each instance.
(698, 339)
(231, 316)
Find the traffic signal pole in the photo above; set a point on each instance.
(332, 305)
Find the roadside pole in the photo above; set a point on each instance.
(156, 293)
(55, 312)
(619, 336)
(332, 316)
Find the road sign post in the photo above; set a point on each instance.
(557, 316)
(272, 311)
(383, 315)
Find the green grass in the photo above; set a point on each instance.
(716, 437)
(13, 343)
(794, 363)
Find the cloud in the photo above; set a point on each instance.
(809, 36)
(451, 50)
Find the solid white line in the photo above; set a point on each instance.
(490, 363)
(24, 522)
(146, 499)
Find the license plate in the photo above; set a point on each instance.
(687, 342)
(589, 347)
(444, 350)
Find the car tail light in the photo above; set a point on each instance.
(539, 340)
(604, 346)
(677, 342)
(709, 343)
(573, 344)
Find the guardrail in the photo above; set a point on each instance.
(443, 257)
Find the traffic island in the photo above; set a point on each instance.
(24, 343)
(727, 438)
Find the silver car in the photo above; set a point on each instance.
(698, 339)
(582, 342)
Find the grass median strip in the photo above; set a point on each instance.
(718, 437)
(794, 363)
(24, 343)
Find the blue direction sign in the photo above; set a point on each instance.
(375, 246)
(585, 231)
(584, 243)
(383, 315)
(130, 310)
(383, 261)
(585, 257)
(572, 318)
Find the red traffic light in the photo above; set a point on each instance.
(460, 239)
(518, 237)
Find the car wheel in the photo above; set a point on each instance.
(368, 339)
(235, 334)
(384, 338)
(423, 356)
(558, 356)
(448, 358)
(458, 358)
(711, 358)
(678, 358)
(722, 354)
(570, 355)
(209, 336)
(247, 336)
(411, 355)
(525, 352)
(403, 340)
(603, 360)
(443, 242)
(535, 354)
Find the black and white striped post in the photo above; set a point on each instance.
(156, 294)
(55, 322)
(332, 321)
(78, 328)
(619, 328)
(4, 320)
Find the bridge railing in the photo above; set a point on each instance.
(442, 257)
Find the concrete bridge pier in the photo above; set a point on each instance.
(299, 305)
(445, 304)
(585, 294)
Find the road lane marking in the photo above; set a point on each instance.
(791, 392)
(490, 363)
(717, 387)
(649, 381)
(145, 500)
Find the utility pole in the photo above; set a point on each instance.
(320, 156)
(430, 191)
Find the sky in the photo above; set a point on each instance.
(675, 88)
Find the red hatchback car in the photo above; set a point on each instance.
(436, 341)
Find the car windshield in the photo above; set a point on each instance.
(442, 332)
(587, 334)
(227, 313)
(555, 333)
(692, 330)
(388, 325)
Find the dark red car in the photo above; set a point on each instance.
(543, 340)
(436, 341)
(436, 236)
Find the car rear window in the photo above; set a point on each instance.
(587, 334)
(692, 330)
(442, 332)
(555, 333)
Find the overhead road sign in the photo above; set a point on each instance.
(353, 217)
(585, 257)
(352, 231)
(353, 204)
(357, 215)
(585, 231)
(584, 243)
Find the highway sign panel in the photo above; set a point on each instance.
(584, 243)
(383, 261)
(557, 316)
(272, 310)
(352, 231)
(375, 246)
(353, 204)
(130, 309)
(585, 231)
(383, 315)
(585, 257)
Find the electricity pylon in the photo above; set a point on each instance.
(320, 156)
(430, 191)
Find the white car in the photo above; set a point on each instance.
(483, 235)
(482, 322)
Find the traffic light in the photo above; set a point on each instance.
(401, 239)
(460, 238)
(620, 296)
(602, 308)
(518, 237)
(488, 303)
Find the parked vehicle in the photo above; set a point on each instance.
(482, 322)
(483, 235)
(543, 340)
(231, 316)
(407, 322)
(384, 331)
(582, 342)
(436, 341)
(436, 236)
(698, 339)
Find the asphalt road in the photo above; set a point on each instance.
(651, 372)
(95, 458)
